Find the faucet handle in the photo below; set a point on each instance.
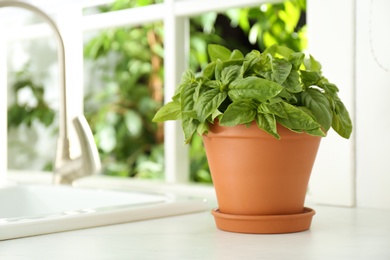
(90, 160)
(68, 169)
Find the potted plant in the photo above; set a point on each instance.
(261, 117)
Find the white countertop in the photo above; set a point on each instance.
(336, 233)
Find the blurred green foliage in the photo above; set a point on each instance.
(129, 63)
(33, 109)
(28, 108)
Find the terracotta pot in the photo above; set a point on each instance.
(255, 174)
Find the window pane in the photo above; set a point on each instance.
(32, 94)
(123, 90)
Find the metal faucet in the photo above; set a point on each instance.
(66, 167)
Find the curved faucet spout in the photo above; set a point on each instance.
(66, 168)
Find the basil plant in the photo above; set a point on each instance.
(275, 86)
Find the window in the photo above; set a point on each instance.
(174, 14)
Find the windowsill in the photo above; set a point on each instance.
(117, 183)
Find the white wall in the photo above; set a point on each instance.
(346, 36)
(373, 103)
(331, 26)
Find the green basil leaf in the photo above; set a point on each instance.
(250, 64)
(281, 69)
(310, 78)
(188, 76)
(329, 88)
(209, 70)
(249, 67)
(236, 54)
(230, 73)
(272, 108)
(267, 122)
(308, 111)
(170, 111)
(187, 97)
(315, 132)
(228, 63)
(284, 51)
(312, 65)
(202, 128)
(213, 84)
(289, 97)
(215, 114)
(292, 83)
(253, 88)
(198, 90)
(271, 50)
(299, 121)
(296, 60)
(189, 114)
(218, 52)
(218, 69)
(189, 126)
(208, 103)
(319, 106)
(342, 122)
(253, 55)
(201, 87)
(265, 62)
(240, 112)
(176, 96)
(268, 74)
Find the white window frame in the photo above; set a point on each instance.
(3, 109)
(175, 14)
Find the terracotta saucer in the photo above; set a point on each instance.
(264, 224)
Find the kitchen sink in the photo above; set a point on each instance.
(29, 210)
